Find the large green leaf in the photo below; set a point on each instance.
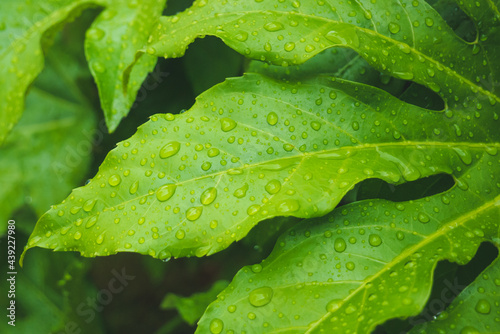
(362, 264)
(48, 152)
(192, 184)
(26, 30)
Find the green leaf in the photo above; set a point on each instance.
(48, 152)
(364, 263)
(191, 308)
(185, 184)
(111, 44)
(26, 31)
(482, 297)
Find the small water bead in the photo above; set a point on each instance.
(273, 26)
(165, 192)
(100, 239)
(272, 118)
(253, 209)
(251, 316)
(273, 187)
(114, 180)
(216, 326)
(91, 222)
(256, 268)
(227, 124)
(394, 28)
(89, 205)
(340, 245)
(180, 234)
(261, 296)
(289, 46)
(483, 306)
(208, 196)
(134, 187)
(350, 266)
(213, 152)
(400, 235)
(374, 240)
(241, 36)
(194, 213)
(333, 305)
(77, 235)
(469, 330)
(289, 205)
(170, 149)
(206, 165)
(231, 308)
(241, 192)
(423, 218)
(316, 126)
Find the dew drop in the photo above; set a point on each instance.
(289, 205)
(165, 192)
(289, 46)
(256, 268)
(374, 240)
(216, 326)
(180, 234)
(134, 187)
(91, 222)
(483, 306)
(333, 305)
(100, 239)
(227, 124)
(170, 149)
(394, 27)
(194, 213)
(213, 152)
(273, 26)
(423, 218)
(273, 187)
(261, 296)
(315, 125)
(208, 196)
(78, 235)
(272, 118)
(114, 180)
(253, 209)
(241, 192)
(340, 245)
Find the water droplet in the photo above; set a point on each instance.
(165, 192)
(89, 205)
(273, 26)
(100, 239)
(333, 305)
(374, 240)
(241, 192)
(350, 266)
(272, 118)
(400, 235)
(340, 245)
(429, 21)
(206, 165)
(469, 330)
(194, 213)
(273, 186)
(241, 36)
(170, 149)
(77, 235)
(227, 124)
(208, 196)
(91, 222)
(180, 234)
(216, 326)
(483, 306)
(213, 152)
(261, 296)
(315, 125)
(114, 180)
(289, 205)
(289, 46)
(423, 217)
(394, 27)
(256, 268)
(253, 209)
(134, 187)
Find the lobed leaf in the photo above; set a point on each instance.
(251, 149)
(364, 263)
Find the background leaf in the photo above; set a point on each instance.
(48, 152)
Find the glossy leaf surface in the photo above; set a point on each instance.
(364, 263)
